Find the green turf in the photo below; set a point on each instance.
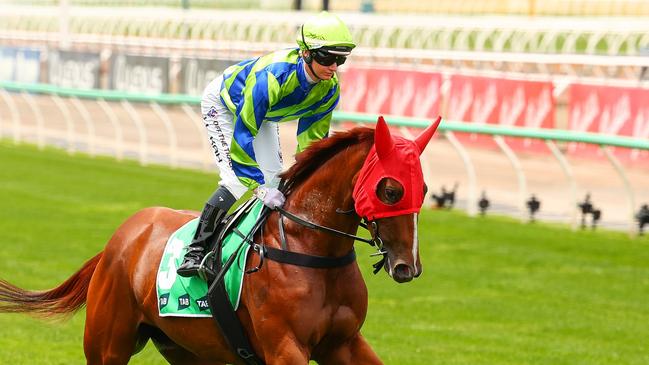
(493, 291)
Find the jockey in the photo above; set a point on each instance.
(242, 107)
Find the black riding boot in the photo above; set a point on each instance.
(211, 217)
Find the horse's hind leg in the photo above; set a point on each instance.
(110, 341)
(112, 321)
(177, 355)
(171, 351)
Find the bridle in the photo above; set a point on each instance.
(376, 240)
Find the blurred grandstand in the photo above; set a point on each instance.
(456, 7)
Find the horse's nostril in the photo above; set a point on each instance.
(402, 273)
(402, 268)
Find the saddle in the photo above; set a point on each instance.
(210, 266)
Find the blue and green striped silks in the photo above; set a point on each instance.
(274, 88)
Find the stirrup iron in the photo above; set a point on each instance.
(203, 271)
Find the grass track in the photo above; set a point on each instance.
(493, 291)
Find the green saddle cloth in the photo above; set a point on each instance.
(187, 297)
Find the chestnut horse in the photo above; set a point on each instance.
(291, 314)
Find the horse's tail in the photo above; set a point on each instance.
(66, 298)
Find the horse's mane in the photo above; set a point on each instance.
(312, 158)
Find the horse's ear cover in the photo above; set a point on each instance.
(397, 158)
(383, 139)
(425, 136)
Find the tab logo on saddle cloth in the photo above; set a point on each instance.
(187, 297)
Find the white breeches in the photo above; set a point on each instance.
(219, 122)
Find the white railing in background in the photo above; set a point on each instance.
(552, 46)
(553, 65)
(158, 125)
(613, 36)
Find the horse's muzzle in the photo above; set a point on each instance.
(402, 273)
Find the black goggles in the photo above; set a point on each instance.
(327, 59)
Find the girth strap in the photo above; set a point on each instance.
(299, 259)
(229, 324)
(223, 313)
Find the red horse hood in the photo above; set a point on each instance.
(397, 158)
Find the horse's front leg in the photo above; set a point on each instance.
(286, 351)
(355, 351)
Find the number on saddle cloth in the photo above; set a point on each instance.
(187, 297)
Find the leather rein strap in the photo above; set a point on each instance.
(312, 225)
(375, 241)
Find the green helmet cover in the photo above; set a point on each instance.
(324, 30)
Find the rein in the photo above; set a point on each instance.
(376, 241)
(312, 225)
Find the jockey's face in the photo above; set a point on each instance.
(322, 72)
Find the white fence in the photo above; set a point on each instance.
(612, 36)
(167, 130)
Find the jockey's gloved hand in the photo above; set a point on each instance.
(271, 197)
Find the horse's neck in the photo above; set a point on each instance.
(320, 200)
